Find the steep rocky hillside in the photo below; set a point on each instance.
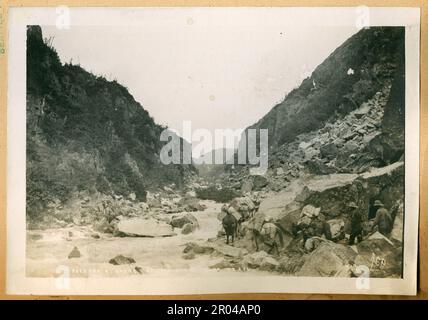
(351, 75)
(346, 117)
(86, 134)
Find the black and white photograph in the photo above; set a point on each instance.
(213, 150)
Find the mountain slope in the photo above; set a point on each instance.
(351, 75)
(85, 133)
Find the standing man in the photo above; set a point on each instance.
(356, 224)
(230, 225)
(383, 219)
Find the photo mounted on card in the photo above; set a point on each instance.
(212, 150)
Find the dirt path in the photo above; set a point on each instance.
(49, 254)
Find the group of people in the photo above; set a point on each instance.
(383, 221)
(318, 228)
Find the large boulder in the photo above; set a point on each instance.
(120, 259)
(259, 182)
(310, 211)
(217, 248)
(197, 248)
(329, 151)
(75, 253)
(334, 192)
(283, 207)
(191, 204)
(189, 228)
(385, 259)
(260, 260)
(139, 227)
(318, 167)
(180, 220)
(326, 260)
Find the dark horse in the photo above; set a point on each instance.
(230, 225)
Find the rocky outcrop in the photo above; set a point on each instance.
(140, 227)
(216, 248)
(120, 259)
(381, 256)
(331, 91)
(260, 260)
(332, 193)
(180, 220)
(326, 260)
(75, 253)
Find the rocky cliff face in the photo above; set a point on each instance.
(338, 138)
(346, 117)
(350, 76)
(86, 134)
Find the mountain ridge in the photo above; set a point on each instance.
(87, 133)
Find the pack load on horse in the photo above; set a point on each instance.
(245, 206)
(241, 209)
(271, 236)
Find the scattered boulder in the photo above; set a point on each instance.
(280, 171)
(269, 264)
(189, 228)
(75, 253)
(214, 248)
(326, 260)
(139, 227)
(247, 186)
(260, 260)
(181, 220)
(139, 270)
(350, 147)
(310, 211)
(329, 151)
(311, 153)
(385, 258)
(190, 194)
(290, 265)
(259, 182)
(318, 167)
(197, 248)
(190, 204)
(225, 264)
(103, 226)
(120, 259)
(189, 255)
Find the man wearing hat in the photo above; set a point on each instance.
(356, 223)
(383, 219)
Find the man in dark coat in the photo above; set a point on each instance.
(230, 225)
(356, 224)
(383, 219)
